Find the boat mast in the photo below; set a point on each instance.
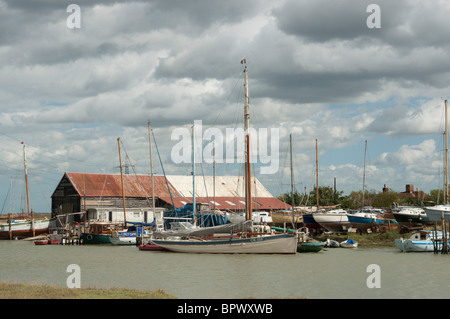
(29, 214)
(214, 175)
(121, 178)
(292, 181)
(317, 178)
(248, 193)
(151, 167)
(193, 175)
(364, 173)
(446, 157)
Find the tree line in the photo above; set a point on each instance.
(382, 199)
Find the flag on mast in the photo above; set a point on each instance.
(243, 61)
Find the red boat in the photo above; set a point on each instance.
(150, 247)
(41, 242)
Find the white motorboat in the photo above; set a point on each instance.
(422, 241)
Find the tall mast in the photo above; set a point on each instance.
(317, 178)
(29, 214)
(248, 194)
(151, 167)
(446, 156)
(121, 178)
(364, 173)
(193, 174)
(292, 181)
(214, 175)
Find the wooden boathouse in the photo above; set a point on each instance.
(100, 195)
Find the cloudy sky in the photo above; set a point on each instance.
(316, 71)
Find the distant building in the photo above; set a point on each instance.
(411, 193)
(100, 195)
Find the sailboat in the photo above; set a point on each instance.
(244, 242)
(365, 218)
(442, 212)
(25, 227)
(100, 232)
(334, 220)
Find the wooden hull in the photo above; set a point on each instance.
(271, 244)
(286, 217)
(95, 239)
(24, 229)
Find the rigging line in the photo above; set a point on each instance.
(239, 79)
(206, 189)
(136, 175)
(164, 172)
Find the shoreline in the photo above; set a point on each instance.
(44, 291)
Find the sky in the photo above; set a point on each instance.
(318, 70)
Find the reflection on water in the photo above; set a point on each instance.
(333, 273)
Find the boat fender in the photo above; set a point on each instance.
(89, 237)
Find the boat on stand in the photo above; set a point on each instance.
(409, 215)
(335, 220)
(241, 242)
(25, 226)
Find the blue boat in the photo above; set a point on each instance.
(363, 220)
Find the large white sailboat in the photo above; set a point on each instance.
(245, 242)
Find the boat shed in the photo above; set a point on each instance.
(100, 195)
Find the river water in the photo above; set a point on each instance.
(334, 273)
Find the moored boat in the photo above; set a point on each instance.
(100, 232)
(244, 242)
(421, 241)
(151, 247)
(24, 228)
(331, 243)
(41, 242)
(349, 243)
(269, 244)
(309, 246)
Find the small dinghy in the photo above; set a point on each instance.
(349, 244)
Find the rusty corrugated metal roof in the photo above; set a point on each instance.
(110, 185)
(140, 186)
(231, 203)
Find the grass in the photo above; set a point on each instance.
(382, 239)
(43, 291)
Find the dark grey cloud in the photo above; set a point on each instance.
(404, 23)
